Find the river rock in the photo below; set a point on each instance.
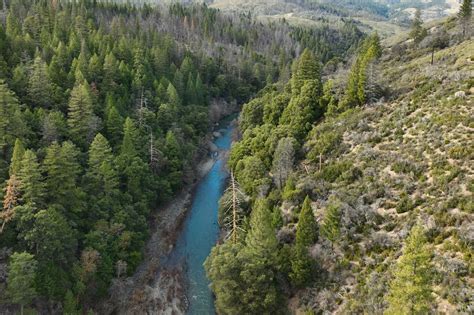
(212, 147)
(216, 134)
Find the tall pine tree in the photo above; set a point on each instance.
(32, 190)
(411, 288)
(302, 266)
(465, 15)
(80, 114)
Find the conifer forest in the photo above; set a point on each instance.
(238, 157)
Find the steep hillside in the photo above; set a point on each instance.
(398, 163)
(385, 168)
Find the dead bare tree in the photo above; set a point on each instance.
(233, 210)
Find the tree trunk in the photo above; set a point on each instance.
(432, 56)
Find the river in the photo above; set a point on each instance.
(201, 229)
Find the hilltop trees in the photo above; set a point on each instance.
(361, 84)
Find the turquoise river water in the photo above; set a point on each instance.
(201, 230)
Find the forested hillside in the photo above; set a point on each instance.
(354, 190)
(104, 112)
(385, 16)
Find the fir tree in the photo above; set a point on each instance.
(10, 122)
(17, 156)
(31, 181)
(411, 287)
(200, 91)
(330, 227)
(260, 256)
(51, 237)
(307, 230)
(80, 114)
(101, 168)
(70, 305)
(40, 88)
(130, 139)
(418, 32)
(62, 168)
(21, 279)
(113, 123)
(223, 268)
(302, 266)
(465, 15)
(307, 68)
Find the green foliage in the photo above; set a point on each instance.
(17, 157)
(251, 174)
(361, 75)
(302, 266)
(465, 14)
(31, 180)
(80, 115)
(40, 89)
(330, 227)
(70, 305)
(11, 122)
(22, 269)
(243, 277)
(283, 161)
(417, 33)
(411, 287)
(306, 69)
(307, 231)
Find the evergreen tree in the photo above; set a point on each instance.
(31, 181)
(101, 171)
(200, 91)
(70, 305)
(283, 160)
(307, 68)
(17, 157)
(10, 122)
(52, 237)
(418, 32)
(130, 139)
(411, 288)
(260, 256)
(114, 123)
(21, 279)
(80, 115)
(62, 168)
(173, 156)
(173, 96)
(223, 268)
(302, 266)
(330, 227)
(307, 231)
(190, 91)
(302, 111)
(465, 15)
(40, 88)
